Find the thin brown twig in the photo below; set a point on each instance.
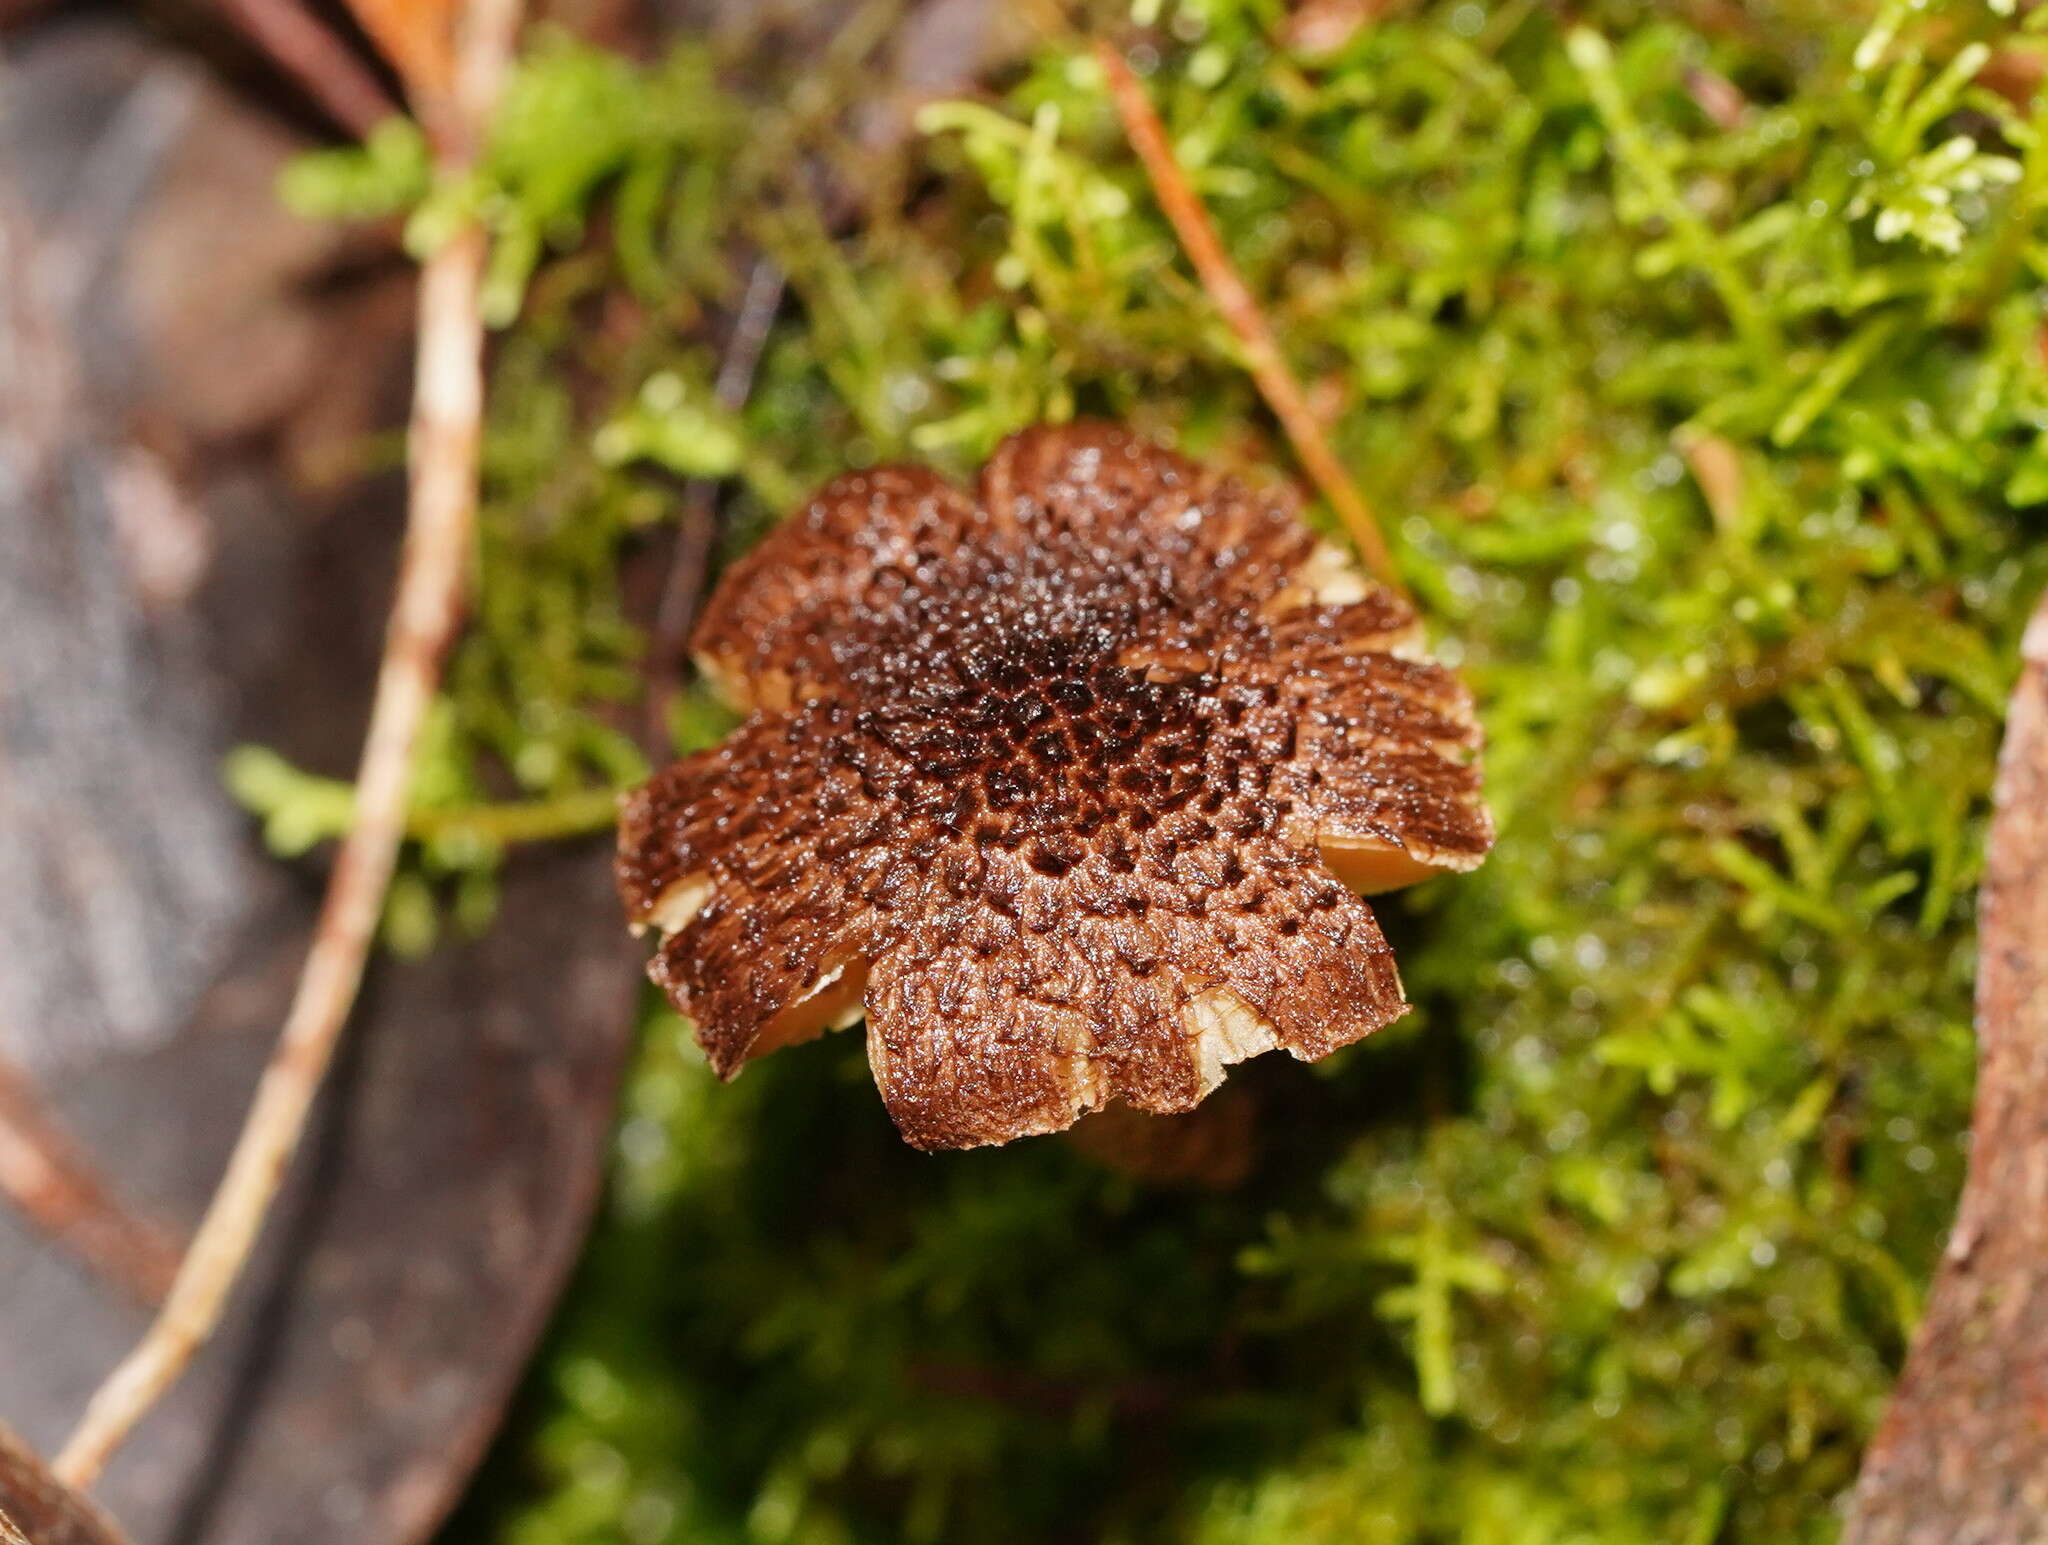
(443, 449)
(415, 36)
(44, 1174)
(698, 526)
(1219, 276)
(346, 89)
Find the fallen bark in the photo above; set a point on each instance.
(1962, 1455)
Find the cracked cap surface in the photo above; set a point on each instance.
(1059, 783)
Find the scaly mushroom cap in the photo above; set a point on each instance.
(1057, 783)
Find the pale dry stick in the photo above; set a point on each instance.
(1219, 276)
(443, 448)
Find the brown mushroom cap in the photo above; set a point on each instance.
(1056, 783)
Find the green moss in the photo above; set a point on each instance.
(1620, 1236)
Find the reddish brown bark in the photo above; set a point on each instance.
(1962, 1455)
(36, 1509)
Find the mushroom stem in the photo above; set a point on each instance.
(1219, 276)
(444, 442)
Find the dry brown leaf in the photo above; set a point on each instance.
(424, 1238)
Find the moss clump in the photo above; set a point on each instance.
(1698, 354)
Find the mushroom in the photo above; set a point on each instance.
(1068, 786)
